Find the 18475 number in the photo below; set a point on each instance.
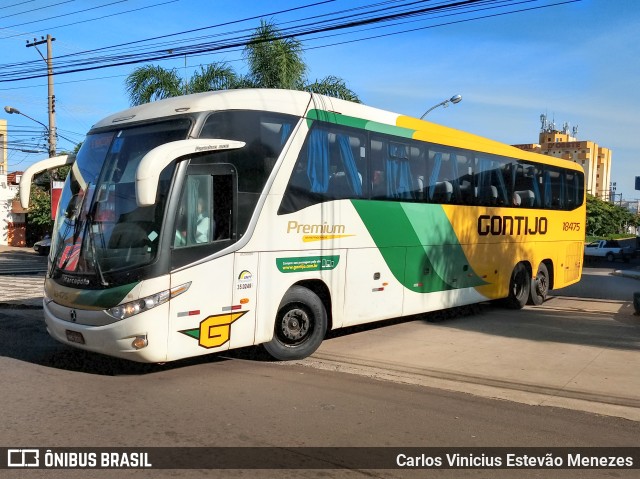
(571, 226)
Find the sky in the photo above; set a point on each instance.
(577, 62)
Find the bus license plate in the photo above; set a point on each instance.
(75, 337)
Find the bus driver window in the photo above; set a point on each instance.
(204, 222)
(194, 221)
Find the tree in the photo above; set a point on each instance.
(332, 86)
(149, 83)
(217, 76)
(606, 219)
(38, 219)
(273, 61)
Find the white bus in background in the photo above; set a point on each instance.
(220, 220)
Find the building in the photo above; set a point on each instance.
(12, 216)
(595, 159)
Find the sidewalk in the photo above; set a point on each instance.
(22, 290)
(17, 249)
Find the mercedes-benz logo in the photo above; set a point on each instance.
(73, 315)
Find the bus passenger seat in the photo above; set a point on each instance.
(487, 195)
(442, 192)
(419, 188)
(527, 198)
(516, 200)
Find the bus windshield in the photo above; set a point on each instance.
(99, 228)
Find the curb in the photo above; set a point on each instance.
(627, 274)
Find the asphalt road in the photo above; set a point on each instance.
(54, 396)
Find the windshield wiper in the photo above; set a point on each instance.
(76, 226)
(59, 249)
(92, 245)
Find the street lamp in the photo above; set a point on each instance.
(454, 99)
(14, 111)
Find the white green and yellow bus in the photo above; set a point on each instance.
(219, 220)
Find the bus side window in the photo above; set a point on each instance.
(347, 165)
(393, 176)
(440, 187)
(491, 180)
(378, 177)
(331, 165)
(555, 189)
(526, 186)
(398, 171)
(418, 167)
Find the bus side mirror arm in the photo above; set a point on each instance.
(152, 164)
(39, 167)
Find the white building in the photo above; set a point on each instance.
(12, 218)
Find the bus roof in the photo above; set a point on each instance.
(282, 101)
(345, 112)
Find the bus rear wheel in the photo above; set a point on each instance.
(540, 286)
(301, 324)
(519, 287)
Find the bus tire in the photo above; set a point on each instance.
(301, 324)
(540, 286)
(519, 287)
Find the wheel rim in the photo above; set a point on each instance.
(294, 326)
(542, 285)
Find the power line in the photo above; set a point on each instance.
(31, 10)
(18, 4)
(73, 57)
(74, 65)
(94, 19)
(64, 14)
(380, 35)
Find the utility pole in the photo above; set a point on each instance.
(51, 97)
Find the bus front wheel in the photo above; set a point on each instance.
(301, 324)
(519, 287)
(540, 286)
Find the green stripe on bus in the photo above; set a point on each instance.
(418, 245)
(90, 298)
(338, 119)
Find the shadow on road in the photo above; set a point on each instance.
(620, 330)
(23, 337)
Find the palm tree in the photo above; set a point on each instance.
(216, 76)
(332, 86)
(273, 62)
(149, 83)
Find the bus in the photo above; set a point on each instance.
(219, 220)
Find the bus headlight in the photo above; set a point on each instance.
(126, 310)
